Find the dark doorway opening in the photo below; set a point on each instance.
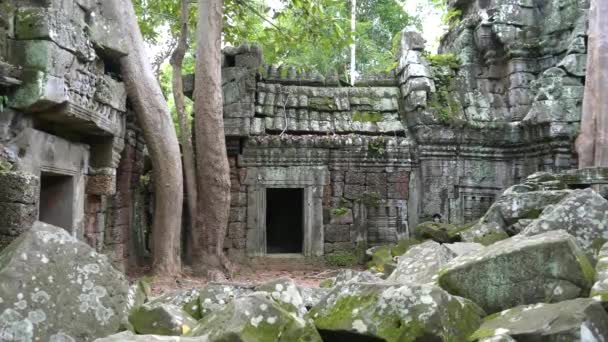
(56, 200)
(284, 220)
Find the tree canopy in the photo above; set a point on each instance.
(308, 34)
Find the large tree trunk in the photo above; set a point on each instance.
(592, 142)
(153, 115)
(211, 155)
(177, 59)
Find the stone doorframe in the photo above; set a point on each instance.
(48, 153)
(311, 179)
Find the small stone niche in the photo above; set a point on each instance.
(57, 200)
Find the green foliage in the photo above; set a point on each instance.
(144, 180)
(338, 212)
(451, 16)
(443, 101)
(377, 147)
(449, 60)
(327, 283)
(372, 117)
(342, 259)
(308, 34)
(369, 199)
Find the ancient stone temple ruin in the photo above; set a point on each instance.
(317, 166)
(64, 123)
(432, 139)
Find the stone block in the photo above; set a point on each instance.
(101, 185)
(341, 218)
(251, 60)
(238, 199)
(111, 92)
(17, 218)
(39, 91)
(355, 177)
(410, 40)
(417, 83)
(414, 70)
(337, 233)
(398, 177)
(416, 99)
(236, 230)
(353, 191)
(33, 23)
(42, 55)
(19, 187)
(575, 64)
(398, 190)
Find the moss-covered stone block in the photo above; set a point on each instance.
(583, 214)
(386, 312)
(548, 268)
(161, 319)
(421, 263)
(580, 319)
(58, 288)
(39, 91)
(437, 231)
(255, 318)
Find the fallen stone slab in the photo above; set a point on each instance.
(128, 336)
(581, 319)
(599, 291)
(56, 288)
(161, 319)
(285, 292)
(511, 207)
(385, 312)
(583, 214)
(213, 297)
(439, 232)
(255, 317)
(463, 248)
(421, 263)
(187, 300)
(313, 295)
(548, 267)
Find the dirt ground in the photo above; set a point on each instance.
(304, 274)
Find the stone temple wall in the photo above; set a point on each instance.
(63, 122)
(428, 140)
(431, 139)
(510, 108)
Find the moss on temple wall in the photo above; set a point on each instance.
(372, 117)
(443, 101)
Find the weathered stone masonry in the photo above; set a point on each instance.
(63, 123)
(366, 163)
(400, 148)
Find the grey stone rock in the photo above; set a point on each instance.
(128, 336)
(583, 214)
(548, 267)
(390, 312)
(255, 317)
(215, 296)
(348, 276)
(161, 319)
(54, 286)
(313, 295)
(285, 292)
(599, 291)
(421, 263)
(573, 320)
(187, 300)
(463, 248)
